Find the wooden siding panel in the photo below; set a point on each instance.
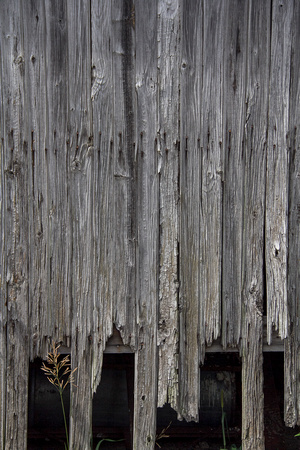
(254, 157)
(54, 157)
(149, 168)
(46, 105)
(211, 170)
(233, 120)
(168, 153)
(81, 161)
(147, 207)
(35, 130)
(14, 184)
(292, 350)
(277, 168)
(103, 181)
(124, 187)
(191, 346)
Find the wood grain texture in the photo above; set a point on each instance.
(292, 355)
(81, 160)
(124, 227)
(211, 170)
(277, 168)
(254, 157)
(149, 176)
(191, 348)
(233, 121)
(168, 37)
(103, 181)
(36, 130)
(147, 223)
(14, 184)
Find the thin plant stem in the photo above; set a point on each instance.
(223, 419)
(59, 373)
(64, 414)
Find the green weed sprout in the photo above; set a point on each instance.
(223, 420)
(107, 440)
(59, 373)
(224, 424)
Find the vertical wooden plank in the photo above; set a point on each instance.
(234, 114)
(103, 180)
(4, 85)
(168, 141)
(35, 130)
(56, 316)
(82, 206)
(211, 172)
(15, 227)
(3, 271)
(191, 347)
(147, 188)
(254, 159)
(124, 206)
(277, 169)
(45, 129)
(292, 350)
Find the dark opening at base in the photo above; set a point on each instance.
(113, 407)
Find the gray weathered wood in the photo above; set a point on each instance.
(254, 157)
(80, 154)
(15, 246)
(211, 170)
(190, 347)
(292, 350)
(233, 122)
(144, 19)
(36, 129)
(103, 181)
(168, 166)
(149, 179)
(124, 187)
(277, 168)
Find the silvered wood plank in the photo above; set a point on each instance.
(81, 160)
(45, 130)
(147, 198)
(168, 140)
(191, 346)
(233, 122)
(277, 168)
(211, 172)
(124, 198)
(103, 180)
(292, 355)
(35, 129)
(254, 158)
(14, 324)
(56, 304)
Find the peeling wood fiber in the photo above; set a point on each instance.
(149, 179)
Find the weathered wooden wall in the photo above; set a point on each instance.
(149, 179)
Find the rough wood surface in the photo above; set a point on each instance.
(144, 20)
(292, 350)
(149, 178)
(277, 168)
(80, 154)
(103, 180)
(168, 35)
(191, 347)
(14, 186)
(210, 133)
(252, 277)
(234, 73)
